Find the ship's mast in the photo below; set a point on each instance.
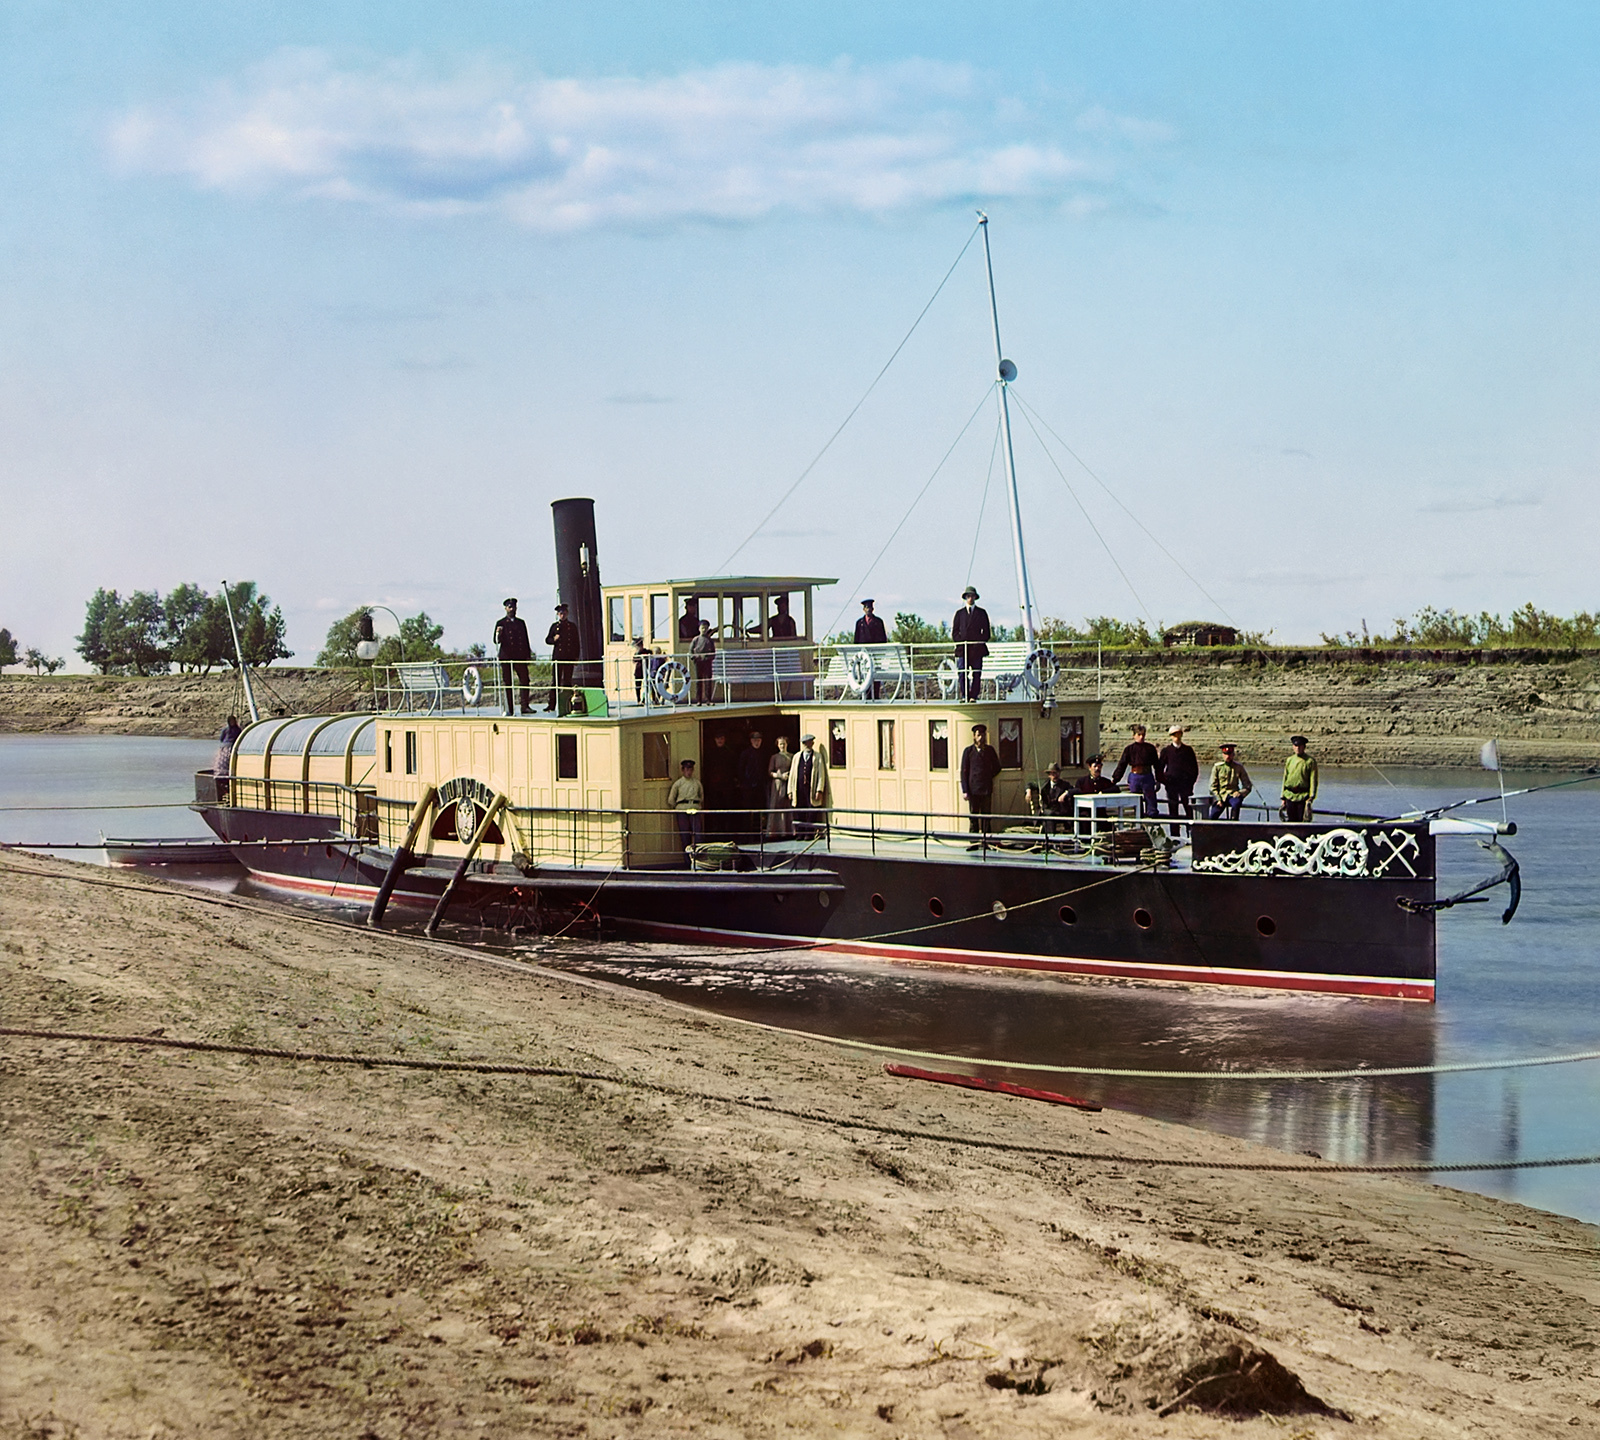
(244, 670)
(1008, 373)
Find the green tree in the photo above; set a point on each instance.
(339, 646)
(37, 661)
(912, 629)
(183, 612)
(261, 630)
(8, 650)
(419, 640)
(139, 644)
(102, 631)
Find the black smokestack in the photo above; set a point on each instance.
(578, 583)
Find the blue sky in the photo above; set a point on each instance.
(339, 297)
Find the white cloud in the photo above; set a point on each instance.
(732, 143)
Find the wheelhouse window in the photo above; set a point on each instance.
(388, 752)
(661, 617)
(1071, 740)
(746, 620)
(635, 617)
(938, 744)
(1010, 746)
(566, 757)
(786, 615)
(657, 755)
(838, 752)
(616, 618)
(886, 744)
(411, 752)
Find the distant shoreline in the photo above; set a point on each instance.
(1357, 707)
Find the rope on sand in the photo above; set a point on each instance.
(492, 1067)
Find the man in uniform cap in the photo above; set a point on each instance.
(970, 631)
(1230, 783)
(514, 652)
(565, 647)
(869, 628)
(1299, 782)
(808, 787)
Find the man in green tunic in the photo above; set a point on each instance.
(1299, 781)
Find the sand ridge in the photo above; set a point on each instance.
(204, 1244)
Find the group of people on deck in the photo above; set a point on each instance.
(749, 792)
(514, 652)
(1175, 768)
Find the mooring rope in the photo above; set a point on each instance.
(844, 1122)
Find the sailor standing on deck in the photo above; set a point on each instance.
(754, 779)
(703, 661)
(1180, 770)
(687, 799)
(970, 631)
(565, 647)
(870, 631)
(1141, 760)
(514, 651)
(979, 768)
(1299, 781)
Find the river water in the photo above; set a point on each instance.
(1528, 989)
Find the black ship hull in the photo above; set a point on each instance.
(1328, 932)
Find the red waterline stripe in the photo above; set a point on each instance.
(978, 1082)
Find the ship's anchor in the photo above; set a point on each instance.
(1510, 874)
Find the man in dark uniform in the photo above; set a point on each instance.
(1056, 797)
(689, 621)
(751, 769)
(1141, 760)
(1094, 783)
(979, 767)
(511, 640)
(1180, 769)
(970, 631)
(565, 647)
(782, 626)
(869, 628)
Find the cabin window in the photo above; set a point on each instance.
(838, 752)
(411, 752)
(1010, 746)
(388, 752)
(938, 744)
(636, 617)
(695, 609)
(661, 617)
(657, 755)
(566, 757)
(1071, 740)
(616, 618)
(886, 744)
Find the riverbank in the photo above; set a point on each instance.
(1356, 710)
(205, 1244)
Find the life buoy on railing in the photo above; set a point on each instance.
(1041, 670)
(670, 683)
(862, 670)
(471, 685)
(948, 674)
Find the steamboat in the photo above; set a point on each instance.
(440, 795)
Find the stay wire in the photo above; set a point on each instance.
(1137, 598)
(861, 583)
(1116, 500)
(817, 458)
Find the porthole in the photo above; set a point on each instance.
(1142, 919)
(936, 907)
(824, 900)
(998, 909)
(1266, 925)
(329, 849)
(879, 904)
(1069, 916)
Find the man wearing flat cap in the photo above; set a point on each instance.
(514, 651)
(1299, 782)
(808, 787)
(565, 648)
(970, 631)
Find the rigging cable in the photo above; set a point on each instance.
(1118, 502)
(1137, 599)
(861, 583)
(816, 459)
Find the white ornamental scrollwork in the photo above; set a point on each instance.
(1340, 854)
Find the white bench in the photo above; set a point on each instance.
(423, 681)
(782, 668)
(867, 671)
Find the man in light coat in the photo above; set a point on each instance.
(808, 787)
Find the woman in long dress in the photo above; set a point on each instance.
(779, 826)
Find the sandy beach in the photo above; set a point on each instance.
(739, 1233)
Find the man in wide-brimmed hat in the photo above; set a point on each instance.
(1180, 769)
(970, 631)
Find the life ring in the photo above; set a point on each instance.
(471, 685)
(862, 670)
(948, 674)
(1041, 670)
(670, 683)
